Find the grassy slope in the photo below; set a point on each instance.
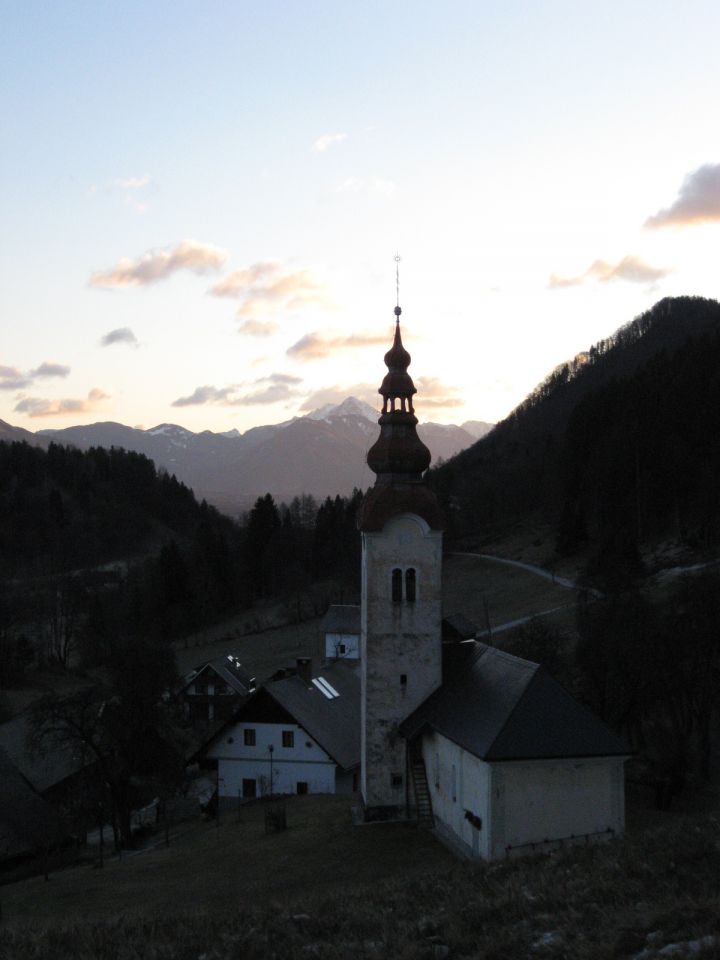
(323, 889)
(218, 870)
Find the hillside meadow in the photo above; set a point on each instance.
(326, 889)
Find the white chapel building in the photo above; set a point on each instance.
(488, 746)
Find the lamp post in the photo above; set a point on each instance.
(271, 748)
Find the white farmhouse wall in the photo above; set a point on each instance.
(304, 762)
(459, 783)
(335, 642)
(400, 649)
(536, 801)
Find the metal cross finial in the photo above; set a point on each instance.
(397, 286)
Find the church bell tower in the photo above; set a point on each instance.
(401, 526)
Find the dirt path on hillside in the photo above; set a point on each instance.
(531, 568)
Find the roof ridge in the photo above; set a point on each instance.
(519, 700)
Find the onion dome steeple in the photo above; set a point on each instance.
(398, 456)
(398, 453)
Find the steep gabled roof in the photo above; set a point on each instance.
(333, 723)
(43, 768)
(28, 824)
(499, 707)
(229, 669)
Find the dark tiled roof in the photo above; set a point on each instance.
(342, 618)
(500, 707)
(44, 768)
(229, 669)
(335, 724)
(458, 627)
(28, 824)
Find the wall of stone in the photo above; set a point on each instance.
(400, 648)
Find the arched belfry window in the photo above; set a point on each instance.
(410, 585)
(397, 585)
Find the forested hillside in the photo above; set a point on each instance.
(617, 448)
(98, 546)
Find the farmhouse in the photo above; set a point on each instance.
(487, 746)
(214, 689)
(299, 734)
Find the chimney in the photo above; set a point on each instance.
(304, 669)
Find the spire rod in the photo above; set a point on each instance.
(398, 311)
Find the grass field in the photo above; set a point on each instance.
(236, 865)
(326, 890)
(472, 585)
(469, 584)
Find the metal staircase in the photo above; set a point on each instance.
(423, 802)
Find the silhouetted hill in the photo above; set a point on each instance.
(618, 447)
(62, 508)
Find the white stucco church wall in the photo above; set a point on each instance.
(500, 809)
(542, 801)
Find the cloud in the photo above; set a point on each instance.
(120, 335)
(268, 285)
(160, 264)
(129, 186)
(631, 269)
(50, 370)
(366, 185)
(38, 407)
(133, 183)
(11, 378)
(326, 140)
(274, 388)
(697, 202)
(315, 347)
(433, 393)
(258, 328)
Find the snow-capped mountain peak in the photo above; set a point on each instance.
(350, 407)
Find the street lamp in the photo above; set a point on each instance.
(271, 748)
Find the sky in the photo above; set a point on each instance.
(201, 203)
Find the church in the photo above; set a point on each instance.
(425, 724)
(487, 746)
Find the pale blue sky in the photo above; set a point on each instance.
(166, 148)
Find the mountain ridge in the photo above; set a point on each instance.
(322, 453)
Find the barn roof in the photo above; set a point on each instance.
(334, 722)
(342, 618)
(229, 669)
(44, 767)
(28, 824)
(499, 707)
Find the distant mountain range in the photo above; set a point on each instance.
(322, 453)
